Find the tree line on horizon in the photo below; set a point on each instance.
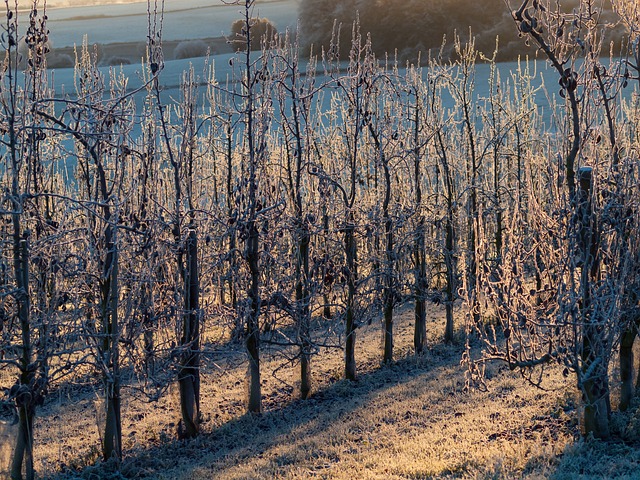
(283, 204)
(414, 28)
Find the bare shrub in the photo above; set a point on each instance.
(190, 49)
(260, 28)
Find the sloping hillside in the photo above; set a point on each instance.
(408, 420)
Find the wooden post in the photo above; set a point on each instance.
(350, 321)
(189, 378)
(595, 385)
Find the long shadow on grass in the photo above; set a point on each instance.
(250, 435)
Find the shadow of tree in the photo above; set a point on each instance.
(414, 409)
(249, 435)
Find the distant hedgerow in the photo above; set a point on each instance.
(191, 49)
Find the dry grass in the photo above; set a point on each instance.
(409, 420)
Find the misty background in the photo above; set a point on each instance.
(407, 27)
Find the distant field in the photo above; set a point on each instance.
(24, 4)
(125, 21)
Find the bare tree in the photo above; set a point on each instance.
(579, 310)
(23, 179)
(179, 146)
(351, 127)
(298, 106)
(254, 108)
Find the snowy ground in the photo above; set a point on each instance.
(171, 76)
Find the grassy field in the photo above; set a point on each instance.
(408, 420)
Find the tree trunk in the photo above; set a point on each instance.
(326, 307)
(638, 380)
(389, 289)
(627, 388)
(233, 297)
(595, 388)
(149, 328)
(302, 299)
(253, 326)
(594, 373)
(388, 329)
(350, 322)
(449, 243)
(389, 293)
(420, 329)
(306, 381)
(420, 261)
(451, 278)
(23, 452)
(189, 377)
(112, 446)
(472, 219)
(112, 442)
(498, 206)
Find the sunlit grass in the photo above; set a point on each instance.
(409, 420)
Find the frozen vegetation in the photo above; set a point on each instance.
(268, 264)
